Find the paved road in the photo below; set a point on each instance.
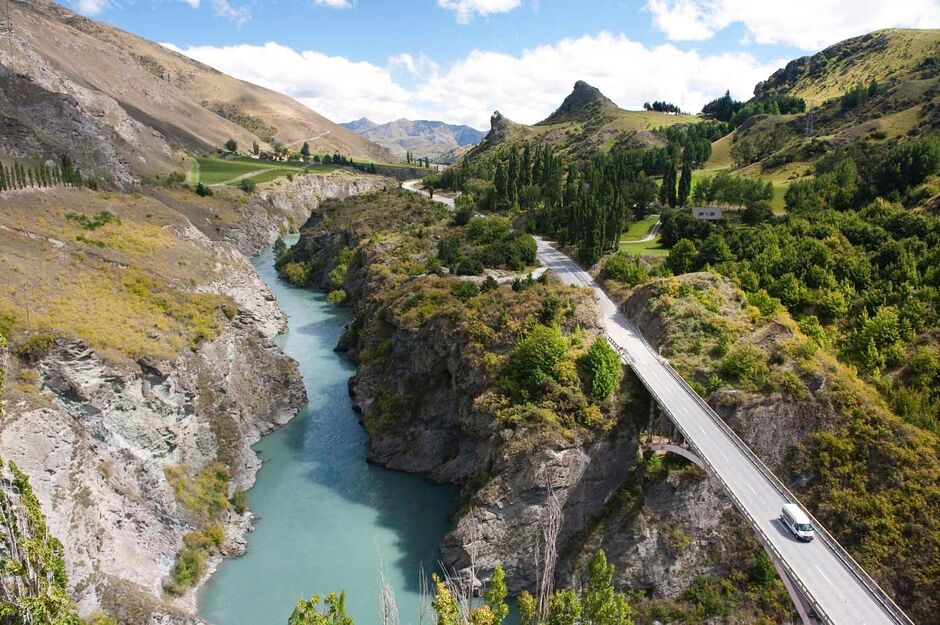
(842, 597)
(412, 185)
(823, 576)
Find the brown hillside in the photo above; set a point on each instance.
(154, 98)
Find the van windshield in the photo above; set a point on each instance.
(804, 527)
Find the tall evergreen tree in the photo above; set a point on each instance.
(685, 180)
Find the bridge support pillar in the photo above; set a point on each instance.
(799, 601)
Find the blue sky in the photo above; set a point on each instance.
(457, 60)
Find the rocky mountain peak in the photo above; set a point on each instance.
(583, 102)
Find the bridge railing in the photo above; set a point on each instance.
(857, 571)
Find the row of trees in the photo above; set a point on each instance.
(452, 603)
(16, 176)
(662, 107)
(734, 113)
(419, 161)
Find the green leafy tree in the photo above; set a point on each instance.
(495, 596)
(622, 268)
(564, 608)
(682, 257)
(528, 608)
(231, 145)
(445, 604)
(535, 359)
(685, 180)
(602, 369)
(308, 611)
(602, 604)
(32, 567)
(305, 150)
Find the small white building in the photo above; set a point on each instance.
(708, 213)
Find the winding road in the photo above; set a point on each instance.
(835, 589)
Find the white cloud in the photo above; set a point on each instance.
(529, 87)
(240, 14)
(331, 85)
(805, 24)
(421, 65)
(466, 9)
(525, 88)
(193, 3)
(91, 7)
(334, 4)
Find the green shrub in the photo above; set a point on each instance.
(535, 359)
(247, 185)
(623, 268)
(745, 366)
(337, 277)
(98, 220)
(205, 495)
(191, 563)
(35, 347)
(240, 501)
(601, 369)
(485, 230)
(464, 291)
(297, 274)
(336, 297)
(203, 191)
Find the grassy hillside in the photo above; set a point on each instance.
(889, 56)
(865, 94)
(122, 272)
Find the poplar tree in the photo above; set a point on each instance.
(685, 181)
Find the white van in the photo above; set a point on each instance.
(797, 522)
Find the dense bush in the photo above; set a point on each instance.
(623, 268)
(535, 359)
(601, 369)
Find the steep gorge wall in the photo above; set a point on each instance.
(96, 436)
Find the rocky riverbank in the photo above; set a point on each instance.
(122, 428)
(430, 388)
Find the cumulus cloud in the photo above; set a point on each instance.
(334, 4)
(466, 9)
(332, 85)
(525, 87)
(805, 24)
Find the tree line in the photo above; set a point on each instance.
(16, 176)
(662, 107)
(734, 113)
(411, 159)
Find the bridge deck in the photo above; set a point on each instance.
(836, 589)
(822, 574)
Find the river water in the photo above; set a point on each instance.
(326, 518)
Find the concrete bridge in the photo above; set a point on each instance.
(827, 586)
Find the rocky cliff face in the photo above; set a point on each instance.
(99, 436)
(286, 204)
(96, 435)
(419, 389)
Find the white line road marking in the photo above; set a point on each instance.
(751, 487)
(829, 581)
(724, 456)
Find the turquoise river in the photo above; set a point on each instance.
(325, 517)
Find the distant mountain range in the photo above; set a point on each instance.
(440, 142)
